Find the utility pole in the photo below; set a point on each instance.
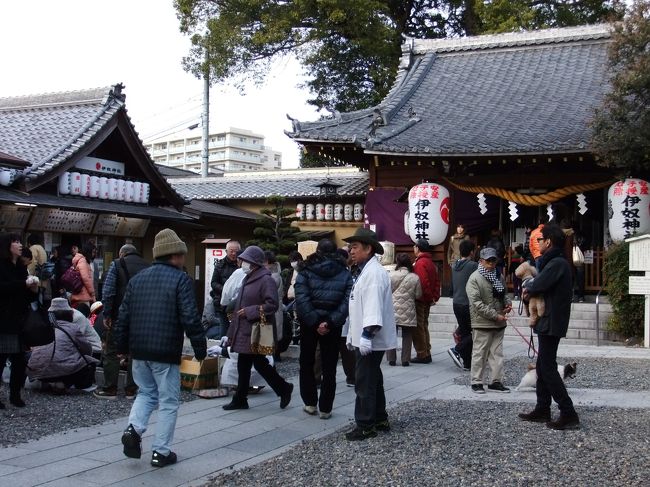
(205, 117)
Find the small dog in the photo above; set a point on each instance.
(529, 380)
(535, 306)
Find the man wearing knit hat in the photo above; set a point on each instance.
(158, 306)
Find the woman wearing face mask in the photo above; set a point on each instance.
(258, 290)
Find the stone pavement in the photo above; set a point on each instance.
(210, 440)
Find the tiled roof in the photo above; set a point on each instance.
(208, 208)
(530, 92)
(13, 161)
(262, 184)
(47, 129)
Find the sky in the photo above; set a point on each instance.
(48, 46)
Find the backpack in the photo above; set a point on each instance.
(45, 270)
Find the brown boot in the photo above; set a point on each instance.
(565, 422)
(536, 416)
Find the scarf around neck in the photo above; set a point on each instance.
(492, 277)
(551, 253)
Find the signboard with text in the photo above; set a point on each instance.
(211, 257)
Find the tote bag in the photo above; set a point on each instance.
(262, 341)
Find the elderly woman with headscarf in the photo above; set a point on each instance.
(259, 294)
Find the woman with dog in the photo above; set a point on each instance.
(554, 283)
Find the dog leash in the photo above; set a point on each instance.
(532, 352)
(531, 346)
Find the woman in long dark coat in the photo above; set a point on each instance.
(258, 289)
(15, 295)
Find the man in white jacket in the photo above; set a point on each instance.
(372, 332)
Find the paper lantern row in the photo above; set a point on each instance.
(80, 184)
(329, 212)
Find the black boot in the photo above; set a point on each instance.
(2, 405)
(236, 403)
(565, 422)
(16, 400)
(537, 415)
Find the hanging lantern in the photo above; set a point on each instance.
(428, 213)
(628, 207)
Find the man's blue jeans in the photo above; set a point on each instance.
(159, 386)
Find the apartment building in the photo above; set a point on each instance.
(231, 150)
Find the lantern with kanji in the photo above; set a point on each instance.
(628, 207)
(428, 213)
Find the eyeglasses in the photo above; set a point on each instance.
(540, 239)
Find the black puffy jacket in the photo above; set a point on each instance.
(323, 290)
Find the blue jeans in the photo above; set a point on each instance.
(159, 386)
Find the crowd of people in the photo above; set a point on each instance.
(344, 301)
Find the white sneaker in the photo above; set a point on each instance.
(325, 415)
(311, 410)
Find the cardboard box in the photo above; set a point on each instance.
(199, 375)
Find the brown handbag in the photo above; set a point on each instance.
(262, 341)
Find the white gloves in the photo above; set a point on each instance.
(365, 346)
(224, 341)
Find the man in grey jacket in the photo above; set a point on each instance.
(554, 282)
(488, 306)
(461, 354)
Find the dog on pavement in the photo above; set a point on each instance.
(529, 380)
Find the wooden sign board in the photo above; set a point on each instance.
(61, 221)
(639, 253)
(639, 285)
(13, 218)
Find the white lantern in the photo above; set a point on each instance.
(94, 187)
(300, 211)
(64, 183)
(329, 212)
(348, 212)
(137, 192)
(112, 189)
(358, 212)
(121, 190)
(75, 183)
(309, 211)
(320, 212)
(85, 185)
(145, 192)
(628, 206)
(104, 191)
(129, 191)
(338, 212)
(428, 213)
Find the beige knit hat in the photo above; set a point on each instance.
(168, 243)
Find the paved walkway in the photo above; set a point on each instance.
(209, 440)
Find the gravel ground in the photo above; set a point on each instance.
(47, 413)
(592, 373)
(468, 444)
